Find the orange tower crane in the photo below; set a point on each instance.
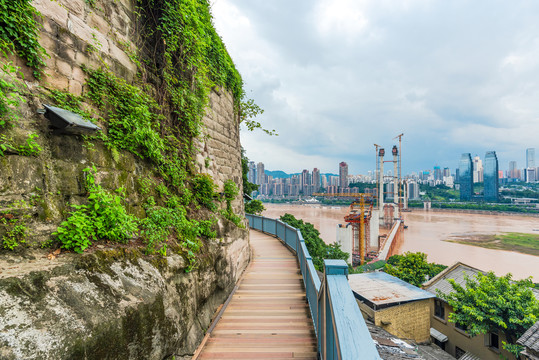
(357, 219)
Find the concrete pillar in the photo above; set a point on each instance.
(381, 153)
(396, 184)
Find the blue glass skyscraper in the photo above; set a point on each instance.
(466, 177)
(490, 176)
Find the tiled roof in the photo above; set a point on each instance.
(530, 339)
(391, 347)
(469, 356)
(455, 272)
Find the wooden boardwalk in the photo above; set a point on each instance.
(268, 316)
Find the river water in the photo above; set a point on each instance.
(427, 231)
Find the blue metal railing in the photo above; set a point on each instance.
(338, 323)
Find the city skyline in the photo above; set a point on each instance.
(511, 170)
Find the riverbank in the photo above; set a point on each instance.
(480, 212)
(522, 243)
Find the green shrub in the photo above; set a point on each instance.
(161, 224)
(16, 233)
(31, 148)
(318, 249)
(230, 192)
(103, 218)
(204, 191)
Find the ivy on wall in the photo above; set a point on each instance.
(181, 59)
(19, 33)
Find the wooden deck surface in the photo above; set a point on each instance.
(268, 316)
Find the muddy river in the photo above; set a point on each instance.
(427, 231)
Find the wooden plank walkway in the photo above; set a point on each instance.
(268, 316)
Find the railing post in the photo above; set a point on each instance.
(346, 335)
(331, 267)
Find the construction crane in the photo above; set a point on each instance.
(355, 218)
(399, 183)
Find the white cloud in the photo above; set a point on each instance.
(336, 76)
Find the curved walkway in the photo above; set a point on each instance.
(268, 316)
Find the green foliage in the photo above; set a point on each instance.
(254, 207)
(78, 231)
(192, 59)
(31, 148)
(485, 207)
(6, 145)
(19, 33)
(104, 217)
(439, 192)
(134, 117)
(16, 232)
(204, 191)
(230, 192)
(361, 186)
(367, 267)
(163, 223)
(489, 303)
(412, 268)
(9, 94)
(315, 245)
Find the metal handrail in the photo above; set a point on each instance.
(339, 326)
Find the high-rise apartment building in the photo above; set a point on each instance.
(477, 169)
(252, 172)
(530, 158)
(260, 174)
(466, 177)
(491, 177)
(446, 172)
(513, 170)
(316, 179)
(413, 190)
(437, 173)
(343, 175)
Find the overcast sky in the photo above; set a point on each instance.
(336, 76)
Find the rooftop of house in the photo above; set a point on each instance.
(456, 272)
(380, 290)
(391, 347)
(530, 339)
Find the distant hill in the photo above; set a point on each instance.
(279, 174)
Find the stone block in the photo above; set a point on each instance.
(76, 7)
(78, 75)
(83, 31)
(128, 4)
(52, 10)
(119, 55)
(98, 23)
(66, 52)
(20, 174)
(48, 43)
(56, 81)
(75, 87)
(64, 68)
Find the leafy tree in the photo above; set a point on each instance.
(489, 303)
(315, 245)
(412, 268)
(254, 207)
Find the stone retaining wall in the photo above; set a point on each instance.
(112, 302)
